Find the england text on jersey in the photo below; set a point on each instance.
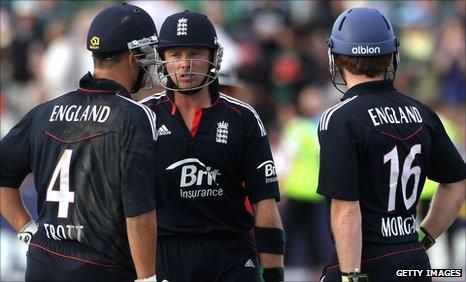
(394, 115)
(96, 113)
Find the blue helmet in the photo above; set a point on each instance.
(362, 32)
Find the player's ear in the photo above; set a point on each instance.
(130, 59)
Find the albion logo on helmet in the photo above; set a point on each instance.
(362, 50)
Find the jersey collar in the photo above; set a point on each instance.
(369, 87)
(101, 85)
(214, 98)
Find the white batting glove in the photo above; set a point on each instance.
(28, 230)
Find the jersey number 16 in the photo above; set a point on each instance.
(406, 173)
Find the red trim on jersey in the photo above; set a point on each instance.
(402, 139)
(173, 108)
(247, 203)
(248, 206)
(74, 258)
(231, 107)
(383, 256)
(95, 90)
(196, 120)
(70, 142)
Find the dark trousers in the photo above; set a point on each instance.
(47, 266)
(308, 241)
(381, 263)
(207, 260)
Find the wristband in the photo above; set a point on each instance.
(354, 277)
(425, 238)
(269, 240)
(152, 278)
(275, 274)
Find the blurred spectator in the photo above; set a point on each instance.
(159, 10)
(450, 61)
(304, 212)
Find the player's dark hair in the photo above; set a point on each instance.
(369, 66)
(107, 60)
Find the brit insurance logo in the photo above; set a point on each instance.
(269, 171)
(197, 180)
(182, 27)
(222, 132)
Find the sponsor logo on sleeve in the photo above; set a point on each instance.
(269, 171)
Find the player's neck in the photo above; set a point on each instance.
(354, 79)
(199, 100)
(115, 75)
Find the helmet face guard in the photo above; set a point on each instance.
(145, 53)
(361, 32)
(171, 81)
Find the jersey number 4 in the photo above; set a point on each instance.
(63, 196)
(406, 173)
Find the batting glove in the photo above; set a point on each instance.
(28, 230)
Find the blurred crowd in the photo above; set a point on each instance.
(275, 59)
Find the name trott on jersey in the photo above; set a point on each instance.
(94, 113)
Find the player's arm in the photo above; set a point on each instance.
(444, 208)
(15, 160)
(270, 239)
(345, 218)
(141, 231)
(138, 188)
(446, 167)
(12, 208)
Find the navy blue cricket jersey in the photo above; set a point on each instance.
(92, 152)
(377, 147)
(204, 173)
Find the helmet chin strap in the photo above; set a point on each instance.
(138, 83)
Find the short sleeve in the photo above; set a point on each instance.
(338, 170)
(138, 163)
(258, 169)
(15, 153)
(445, 164)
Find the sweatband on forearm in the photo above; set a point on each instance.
(269, 240)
